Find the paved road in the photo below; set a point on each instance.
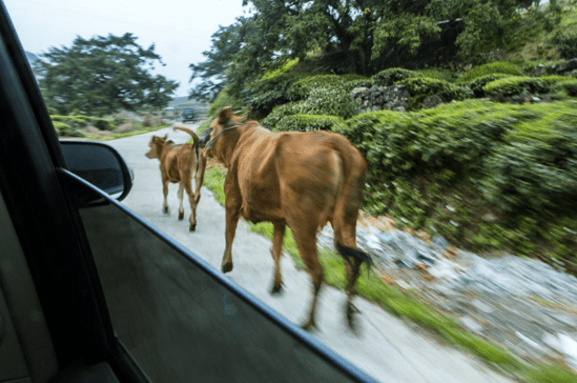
(387, 348)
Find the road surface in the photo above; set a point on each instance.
(387, 348)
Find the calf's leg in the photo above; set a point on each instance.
(165, 192)
(180, 198)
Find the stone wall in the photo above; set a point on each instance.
(381, 98)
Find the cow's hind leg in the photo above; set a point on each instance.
(276, 251)
(232, 213)
(187, 183)
(305, 237)
(345, 244)
(180, 198)
(165, 192)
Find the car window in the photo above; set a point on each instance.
(462, 114)
(180, 323)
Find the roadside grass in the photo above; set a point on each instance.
(404, 303)
(128, 134)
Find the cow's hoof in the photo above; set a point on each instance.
(226, 267)
(180, 216)
(165, 210)
(276, 289)
(192, 227)
(351, 314)
(309, 326)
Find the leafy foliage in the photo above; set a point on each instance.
(367, 36)
(429, 86)
(497, 67)
(517, 85)
(392, 76)
(101, 76)
(479, 83)
(305, 123)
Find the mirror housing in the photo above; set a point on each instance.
(100, 165)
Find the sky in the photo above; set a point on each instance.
(180, 29)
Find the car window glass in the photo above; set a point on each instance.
(182, 325)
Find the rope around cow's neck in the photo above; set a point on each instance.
(212, 141)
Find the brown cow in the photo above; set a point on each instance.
(294, 179)
(178, 163)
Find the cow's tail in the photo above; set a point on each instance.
(195, 144)
(349, 199)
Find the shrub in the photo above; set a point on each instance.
(536, 166)
(565, 40)
(477, 85)
(102, 123)
(391, 76)
(76, 121)
(278, 113)
(305, 123)
(569, 87)
(438, 74)
(489, 69)
(263, 95)
(65, 130)
(334, 101)
(517, 85)
(428, 86)
(301, 89)
(223, 99)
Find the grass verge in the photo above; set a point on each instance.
(404, 304)
(128, 134)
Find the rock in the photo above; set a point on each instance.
(489, 217)
(471, 324)
(432, 101)
(567, 66)
(439, 243)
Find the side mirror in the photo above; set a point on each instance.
(99, 164)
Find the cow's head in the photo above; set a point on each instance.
(155, 145)
(216, 139)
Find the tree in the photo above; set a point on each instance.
(367, 35)
(102, 75)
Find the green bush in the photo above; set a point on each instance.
(305, 123)
(77, 121)
(427, 87)
(278, 113)
(478, 84)
(569, 87)
(518, 85)
(223, 99)
(65, 130)
(536, 166)
(333, 101)
(438, 74)
(391, 76)
(490, 69)
(102, 123)
(302, 88)
(263, 95)
(565, 40)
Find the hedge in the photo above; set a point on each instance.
(306, 122)
(517, 85)
(497, 67)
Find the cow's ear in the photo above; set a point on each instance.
(224, 115)
(247, 116)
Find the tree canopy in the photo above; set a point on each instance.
(367, 35)
(102, 75)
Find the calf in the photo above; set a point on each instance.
(178, 163)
